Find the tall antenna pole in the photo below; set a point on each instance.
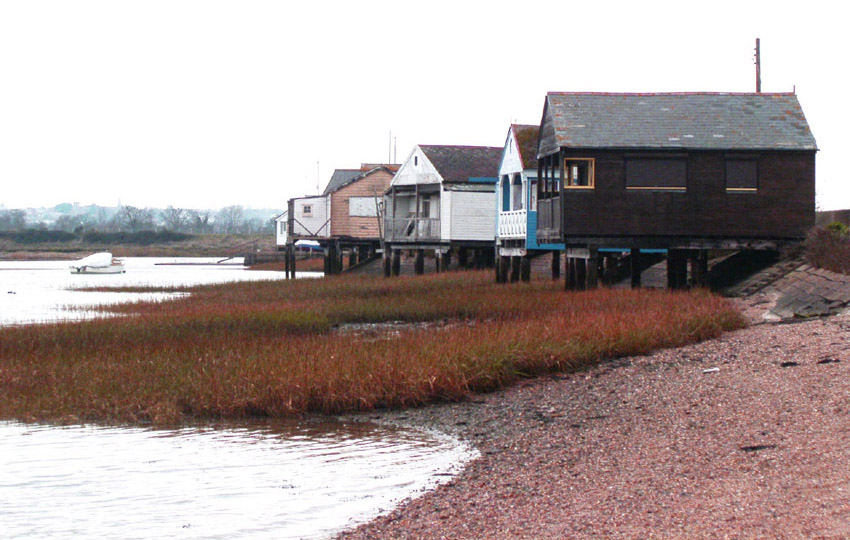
(758, 65)
(395, 151)
(318, 192)
(390, 148)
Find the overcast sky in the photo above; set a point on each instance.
(205, 103)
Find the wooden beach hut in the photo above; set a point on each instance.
(684, 172)
(441, 200)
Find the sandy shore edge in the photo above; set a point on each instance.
(742, 436)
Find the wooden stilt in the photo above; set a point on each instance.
(419, 262)
(634, 262)
(515, 263)
(396, 264)
(525, 269)
(592, 264)
(556, 264)
(387, 263)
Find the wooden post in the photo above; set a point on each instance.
(437, 265)
(352, 257)
(419, 262)
(515, 269)
(702, 268)
(327, 260)
(387, 262)
(568, 273)
(592, 264)
(556, 264)
(677, 269)
(447, 260)
(504, 263)
(608, 270)
(462, 258)
(396, 264)
(581, 273)
(634, 263)
(525, 269)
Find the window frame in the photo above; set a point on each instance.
(672, 158)
(307, 210)
(591, 180)
(750, 159)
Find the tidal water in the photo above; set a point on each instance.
(250, 481)
(44, 291)
(270, 480)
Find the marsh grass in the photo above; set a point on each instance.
(270, 348)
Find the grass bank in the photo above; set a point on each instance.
(276, 349)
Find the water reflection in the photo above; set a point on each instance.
(43, 291)
(271, 480)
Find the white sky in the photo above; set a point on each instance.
(208, 103)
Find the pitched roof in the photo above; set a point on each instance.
(339, 178)
(526, 138)
(343, 177)
(457, 164)
(701, 121)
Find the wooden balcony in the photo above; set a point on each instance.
(413, 229)
(513, 224)
(549, 220)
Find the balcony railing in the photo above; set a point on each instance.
(549, 219)
(413, 229)
(513, 224)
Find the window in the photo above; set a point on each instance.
(363, 206)
(415, 160)
(578, 173)
(506, 194)
(741, 175)
(657, 173)
(532, 193)
(307, 210)
(516, 193)
(282, 227)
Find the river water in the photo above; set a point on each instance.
(268, 480)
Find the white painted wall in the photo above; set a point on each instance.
(280, 229)
(472, 216)
(316, 223)
(416, 169)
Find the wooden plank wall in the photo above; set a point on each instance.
(783, 206)
(356, 226)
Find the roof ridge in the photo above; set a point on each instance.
(671, 93)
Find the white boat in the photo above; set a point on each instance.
(99, 263)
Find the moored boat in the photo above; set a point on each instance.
(99, 263)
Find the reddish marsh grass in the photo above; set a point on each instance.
(266, 348)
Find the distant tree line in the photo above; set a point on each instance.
(131, 219)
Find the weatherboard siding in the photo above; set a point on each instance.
(342, 222)
(782, 206)
(471, 216)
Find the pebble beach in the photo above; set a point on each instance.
(743, 436)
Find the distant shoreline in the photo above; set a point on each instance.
(213, 245)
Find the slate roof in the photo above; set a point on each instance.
(339, 178)
(343, 177)
(699, 121)
(526, 137)
(457, 164)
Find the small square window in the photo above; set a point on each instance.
(741, 175)
(307, 210)
(578, 173)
